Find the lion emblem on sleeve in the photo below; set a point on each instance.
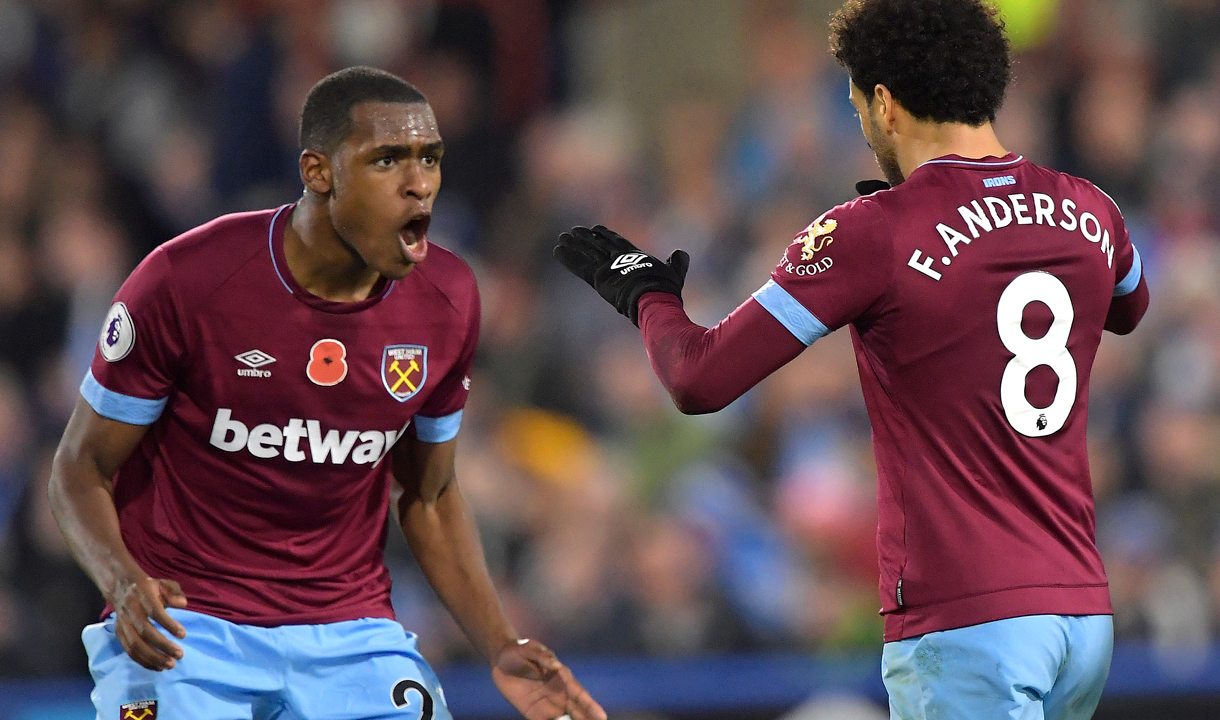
(816, 236)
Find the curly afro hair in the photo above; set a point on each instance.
(943, 60)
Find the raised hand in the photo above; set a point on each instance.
(618, 270)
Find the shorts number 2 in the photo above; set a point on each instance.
(399, 696)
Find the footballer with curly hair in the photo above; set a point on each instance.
(976, 286)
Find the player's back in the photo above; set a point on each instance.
(975, 362)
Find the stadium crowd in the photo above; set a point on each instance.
(613, 524)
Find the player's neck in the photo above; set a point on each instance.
(928, 141)
(320, 261)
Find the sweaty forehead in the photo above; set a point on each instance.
(382, 123)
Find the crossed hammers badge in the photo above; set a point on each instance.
(404, 369)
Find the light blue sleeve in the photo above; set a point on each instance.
(1127, 285)
(438, 430)
(790, 313)
(116, 406)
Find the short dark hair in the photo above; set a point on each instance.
(943, 60)
(326, 119)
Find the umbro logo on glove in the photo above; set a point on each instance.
(627, 260)
(617, 269)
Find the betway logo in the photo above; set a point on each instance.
(268, 441)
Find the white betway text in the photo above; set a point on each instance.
(268, 441)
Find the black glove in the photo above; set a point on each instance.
(617, 270)
(868, 187)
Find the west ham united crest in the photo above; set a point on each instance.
(141, 710)
(404, 369)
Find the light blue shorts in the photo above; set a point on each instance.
(354, 670)
(1024, 668)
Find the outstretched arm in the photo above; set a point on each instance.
(706, 369)
(703, 370)
(441, 531)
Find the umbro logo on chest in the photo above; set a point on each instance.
(254, 361)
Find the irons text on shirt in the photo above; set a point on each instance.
(993, 213)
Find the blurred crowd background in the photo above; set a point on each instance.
(613, 525)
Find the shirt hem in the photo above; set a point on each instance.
(999, 605)
(358, 612)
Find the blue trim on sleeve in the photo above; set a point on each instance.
(116, 406)
(1127, 285)
(790, 313)
(438, 430)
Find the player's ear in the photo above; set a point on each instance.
(316, 172)
(884, 106)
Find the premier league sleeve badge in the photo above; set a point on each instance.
(118, 333)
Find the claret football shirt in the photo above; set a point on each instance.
(976, 293)
(262, 484)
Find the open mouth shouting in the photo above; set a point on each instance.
(414, 237)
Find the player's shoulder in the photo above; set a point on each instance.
(203, 257)
(221, 235)
(1087, 188)
(203, 254)
(451, 277)
(858, 217)
(853, 234)
(1077, 188)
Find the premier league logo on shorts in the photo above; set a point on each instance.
(142, 710)
(404, 368)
